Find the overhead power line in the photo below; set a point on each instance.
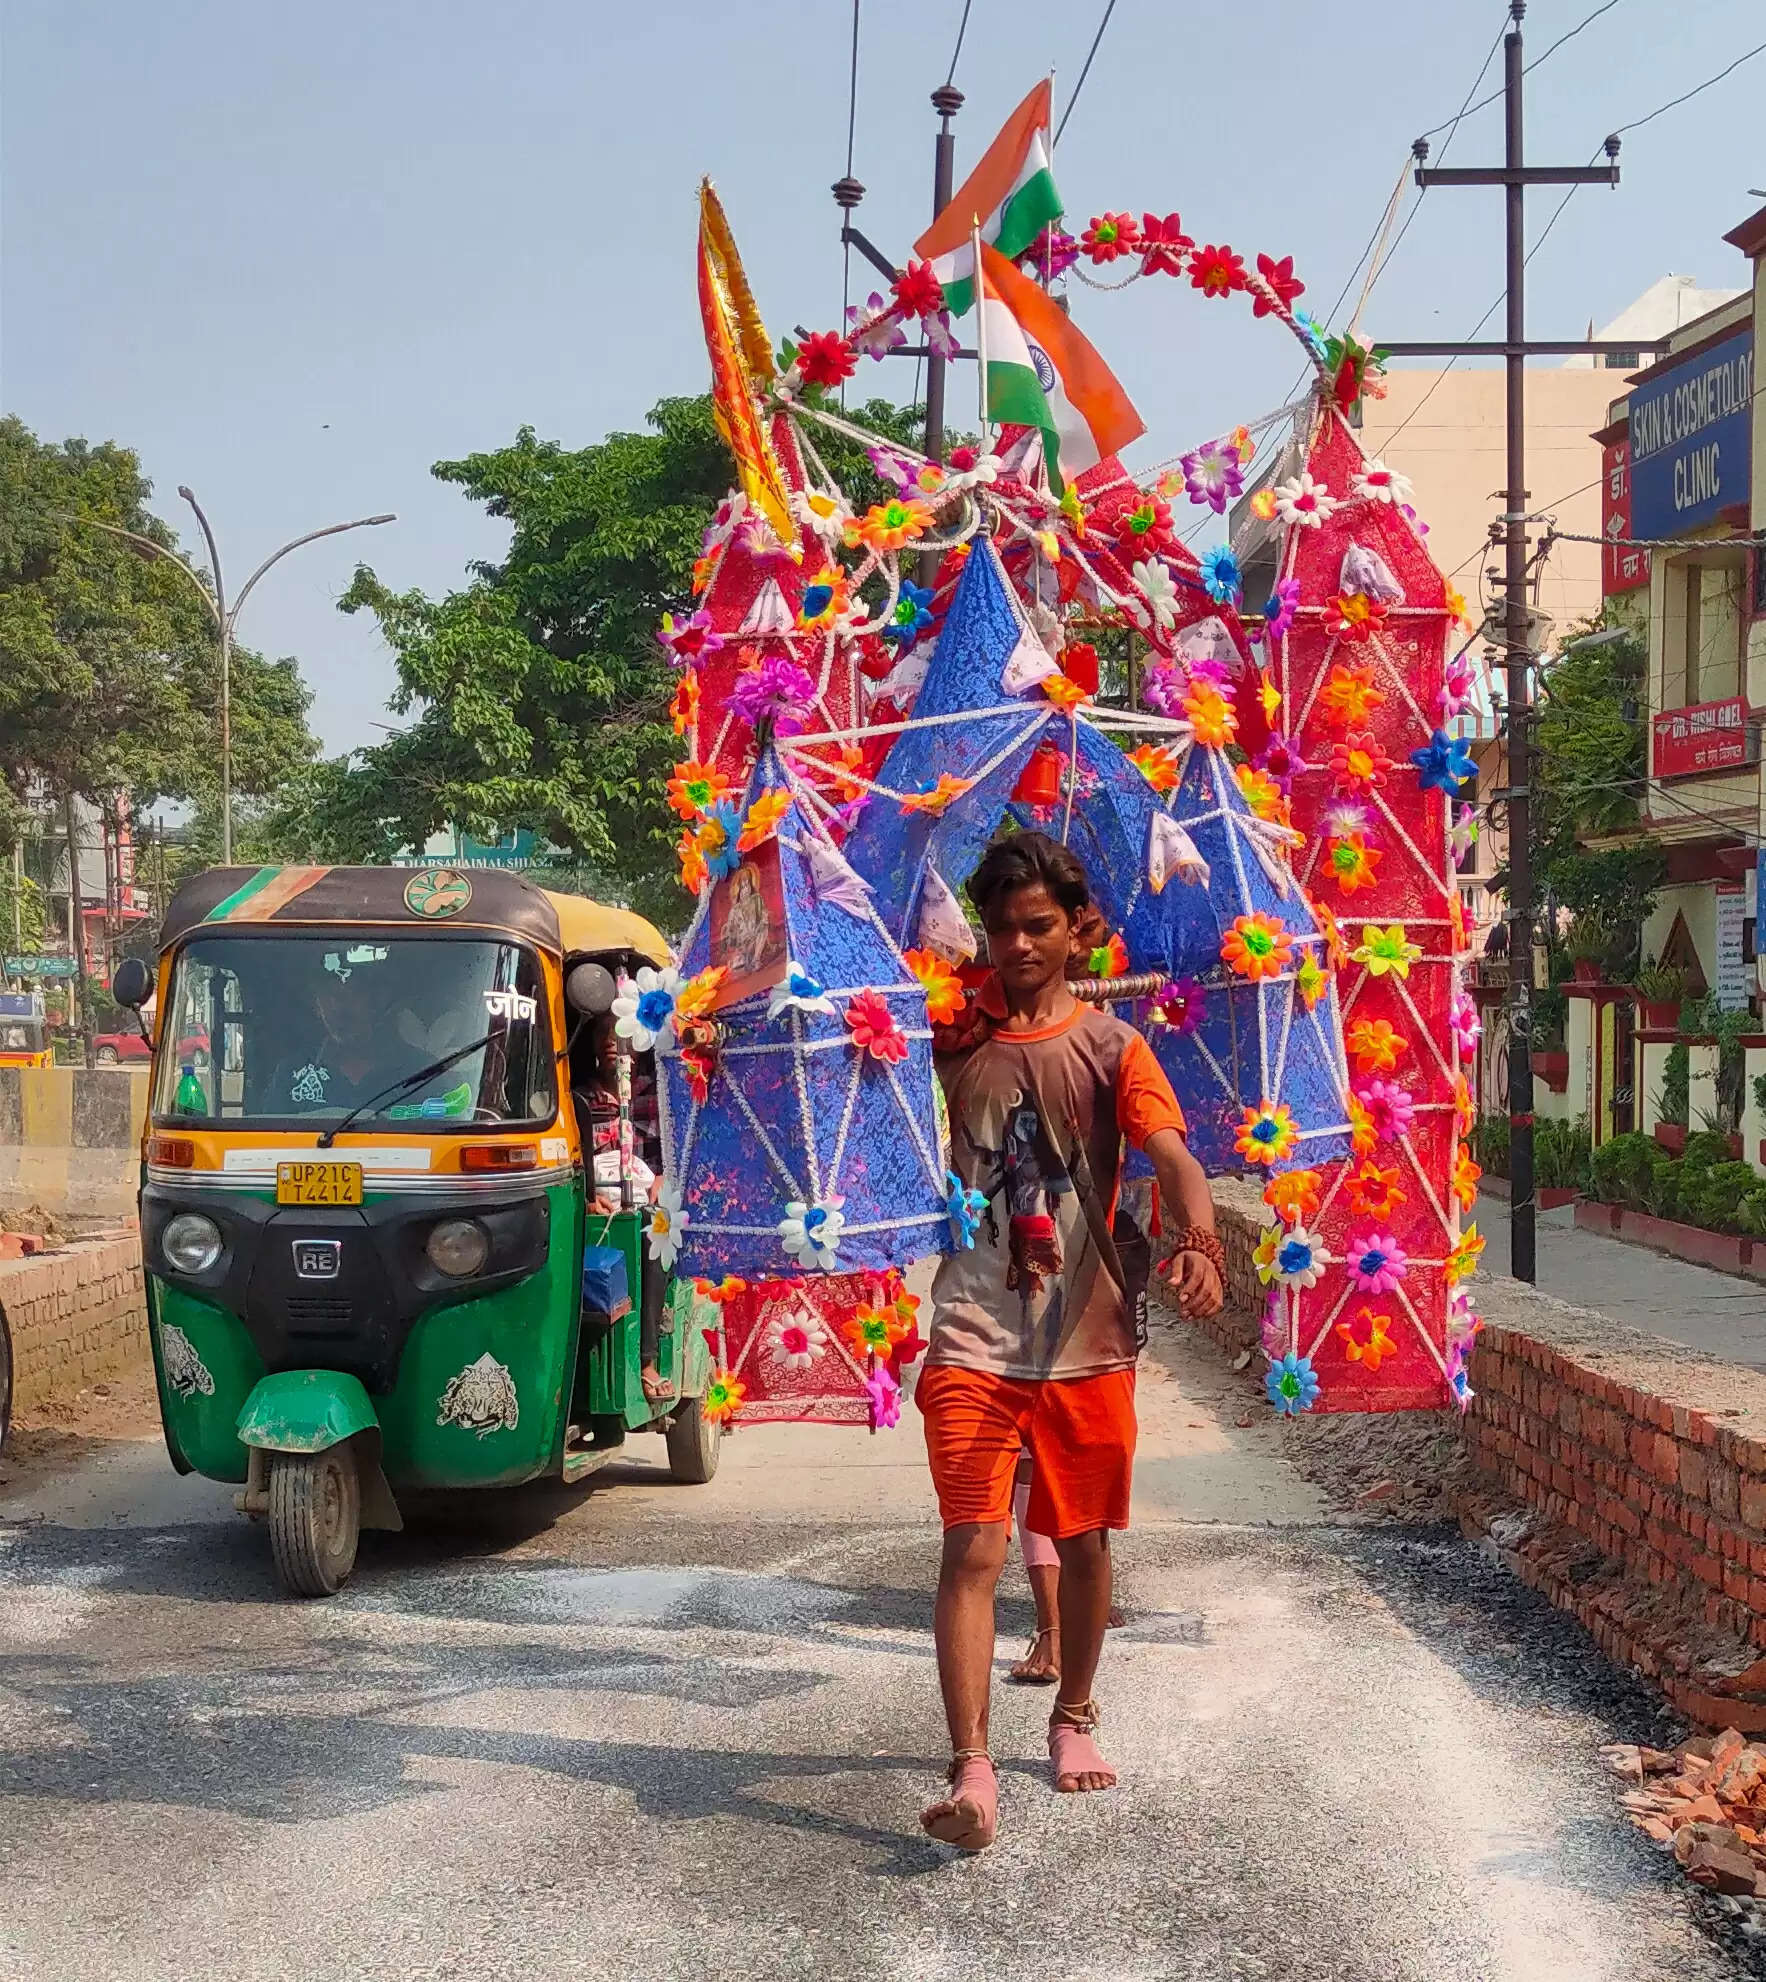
(1495, 96)
(1109, 9)
(962, 29)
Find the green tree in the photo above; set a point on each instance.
(539, 693)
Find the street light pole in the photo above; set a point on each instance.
(224, 617)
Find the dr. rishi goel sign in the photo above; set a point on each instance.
(1690, 440)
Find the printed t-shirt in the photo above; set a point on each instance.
(1036, 1125)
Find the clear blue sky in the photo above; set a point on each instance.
(295, 254)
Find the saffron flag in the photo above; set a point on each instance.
(1042, 373)
(1011, 193)
(741, 363)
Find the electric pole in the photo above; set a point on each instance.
(1514, 175)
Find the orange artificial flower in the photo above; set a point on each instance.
(1363, 1138)
(852, 759)
(1156, 765)
(1256, 946)
(1211, 716)
(886, 526)
(692, 858)
(1262, 794)
(1335, 950)
(1375, 1047)
(873, 1330)
(1310, 979)
(1063, 691)
(723, 1397)
(1374, 1193)
(1349, 696)
(762, 818)
(1354, 617)
(1465, 1178)
(696, 997)
(1464, 1113)
(1358, 763)
(936, 801)
(944, 989)
(1294, 1196)
(722, 1290)
(1379, 1344)
(1266, 1133)
(684, 709)
(1352, 862)
(695, 788)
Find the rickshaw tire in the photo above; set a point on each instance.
(315, 1518)
(5, 1380)
(694, 1442)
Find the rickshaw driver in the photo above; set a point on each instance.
(341, 1069)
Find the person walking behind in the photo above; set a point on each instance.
(1033, 1339)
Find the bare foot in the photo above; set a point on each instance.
(969, 1816)
(1116, 1620)
(1041, 1663)
(1079, 1765)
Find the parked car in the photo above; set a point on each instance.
(116, 1049)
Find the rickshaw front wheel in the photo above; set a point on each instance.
(315, 1518)
(693, 1443)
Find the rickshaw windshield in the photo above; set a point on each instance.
(304, 1028)
(21, 1035)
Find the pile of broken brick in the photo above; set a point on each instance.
(1706, 1800)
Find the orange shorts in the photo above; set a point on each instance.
(1081, 1439)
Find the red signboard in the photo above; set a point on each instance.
(1708, 736)
(1622, 568)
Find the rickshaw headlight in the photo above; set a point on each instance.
(458, 1247)
(191, 1243)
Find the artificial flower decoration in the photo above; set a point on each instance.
(1157, 765)
(762, 818)
(697, 996)
(1466, 1172)
(1304, 503)
(885, 1398)
(777, 691)
(1313, 332)
(1463, 1324)
(722, 1290)
(1352, 863)
(1310, 979)
(937, 799)
(1263, 794)
(717, 837)
(1181, 1005)
(1357, 764)
(1456, 688)
(886, 526)
(1163, 244)
(689, 640)
(723, 1398)
(1458, 1379)
(1300, 1260)
(1455, 602)
(1354, 617)
(1214, 474)
(965, 1209)
(943, 342)
(1266, 1133)
(1374, 1193)
(825, 358)
(873, 1028)
(795, 1340)
(693, 872)
(798, 991)
(694, 788)
(1108, 959)
(1294, 1195)
(1211, 716)
(1389, 1109)
(918, 290)
(872, 1329)
(1374, 1046)
(826, 600)
(1344, 816)
(1145, 528)
(1290, 1385)
(1163, 688)
(1063, 691)
(943, 988)
(910, 615)
(665, 1221)
(1464, 1113)
(1079, 662)
(1263, 505)
(1444, 763)
(1375, 1263)
(810, 1233)
(1279, 609)
(1361, 1129)
(1110, 236)
(1281, 282)
(1379, 1344)
(1050, 255)
(1281, 758)
(1386, 950)
(1349, 696)
(697, 1050)
(644, 1011)
(684, 705)
(823, 516)
(1217, 271)
(1465, 1025)
(875, 328)
(1159, 586)
(1256, 946)
(1462, 1262)
(1222, 579)
(1378, 483)
(1271, 698)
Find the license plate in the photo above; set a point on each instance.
(318, 1183)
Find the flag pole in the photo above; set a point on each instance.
(980, 323)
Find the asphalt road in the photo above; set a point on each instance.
(650, 1731)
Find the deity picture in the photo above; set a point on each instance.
(749, 938)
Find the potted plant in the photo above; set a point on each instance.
(1588, 944)
(1760, 1103)
(1660, 987)
(1551, 1060)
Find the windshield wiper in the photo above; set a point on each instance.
(403, 1087)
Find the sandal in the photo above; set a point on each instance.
(1073, 1751)
(969, 1816)
(1035, 1668)
(657, 1389)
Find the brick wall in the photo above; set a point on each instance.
(73, 1317)
(1239, 1215)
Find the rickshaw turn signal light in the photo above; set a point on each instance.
(171, 1152)
(499, 1156)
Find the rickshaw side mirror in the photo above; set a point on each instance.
(589, 989)
(132, 984)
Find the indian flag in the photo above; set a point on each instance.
(1011, 192)
(1042, 373)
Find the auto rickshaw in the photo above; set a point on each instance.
(382, 1249)
(24, 1030)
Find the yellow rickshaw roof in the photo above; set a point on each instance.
(596, 926)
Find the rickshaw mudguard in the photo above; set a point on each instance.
(306, 1411)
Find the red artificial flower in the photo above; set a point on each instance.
(962, 459)
(1163, 244)
(825, 358)
(918, 290)
(1217, 271)
(1145, 529)
(1280, 278)
(873, 1027)
(1110, 235)
(1079, 662)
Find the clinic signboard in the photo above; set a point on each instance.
(1623, 566)
(1708, 736)
(1689, 439)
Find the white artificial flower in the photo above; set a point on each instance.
(1160, 587)
(1300, 1259)
(665, 1222)
(796, 1340)
(644, 1011)
(797, 989)
(1378, 483)
(1305, 502)
(824, 516)
(810, 1233)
